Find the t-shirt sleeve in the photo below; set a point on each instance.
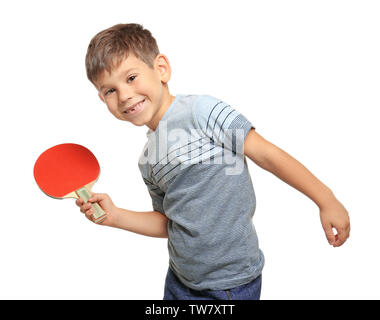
(221, 123)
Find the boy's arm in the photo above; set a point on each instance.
(149, 223)
(273, 159)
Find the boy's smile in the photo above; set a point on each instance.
(136, 93)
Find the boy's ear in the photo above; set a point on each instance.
(163, 67)
(101, 98)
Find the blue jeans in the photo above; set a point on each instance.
(175, 290)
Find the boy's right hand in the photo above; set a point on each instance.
(104, 202)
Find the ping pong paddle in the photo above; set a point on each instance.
(68, 171)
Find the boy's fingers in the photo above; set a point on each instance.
(341, 237)
(96, 197)
(87, 208)
(89, 213)
(329, 234)
(84, 207)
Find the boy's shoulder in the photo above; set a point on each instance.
(204, 100)
(198, 105)
(198, 98)
(207, 109)
(198, 111)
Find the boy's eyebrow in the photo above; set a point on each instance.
(129, 70)
(124, 73)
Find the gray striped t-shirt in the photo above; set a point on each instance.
(197, 175)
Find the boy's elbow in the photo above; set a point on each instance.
(163, 231)
(165, 235)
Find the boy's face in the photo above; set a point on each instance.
(133, 82)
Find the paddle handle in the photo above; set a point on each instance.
(99, 215)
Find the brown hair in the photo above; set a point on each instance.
(109, 47)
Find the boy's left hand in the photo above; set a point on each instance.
(334, 215)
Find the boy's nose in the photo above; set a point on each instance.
(124, 96)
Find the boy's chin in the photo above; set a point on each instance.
(138, 124)
(135, 122)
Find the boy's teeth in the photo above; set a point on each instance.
(134, 108)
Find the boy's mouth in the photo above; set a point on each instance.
(135, 108)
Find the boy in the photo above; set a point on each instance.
(195, 170)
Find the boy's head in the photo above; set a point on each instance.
(125, 65)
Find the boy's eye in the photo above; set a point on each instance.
(131, 78)
(109, 91)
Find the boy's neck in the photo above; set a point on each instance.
(167, 101)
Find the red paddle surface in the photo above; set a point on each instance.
(65, 168)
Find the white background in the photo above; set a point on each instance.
(306, 73)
